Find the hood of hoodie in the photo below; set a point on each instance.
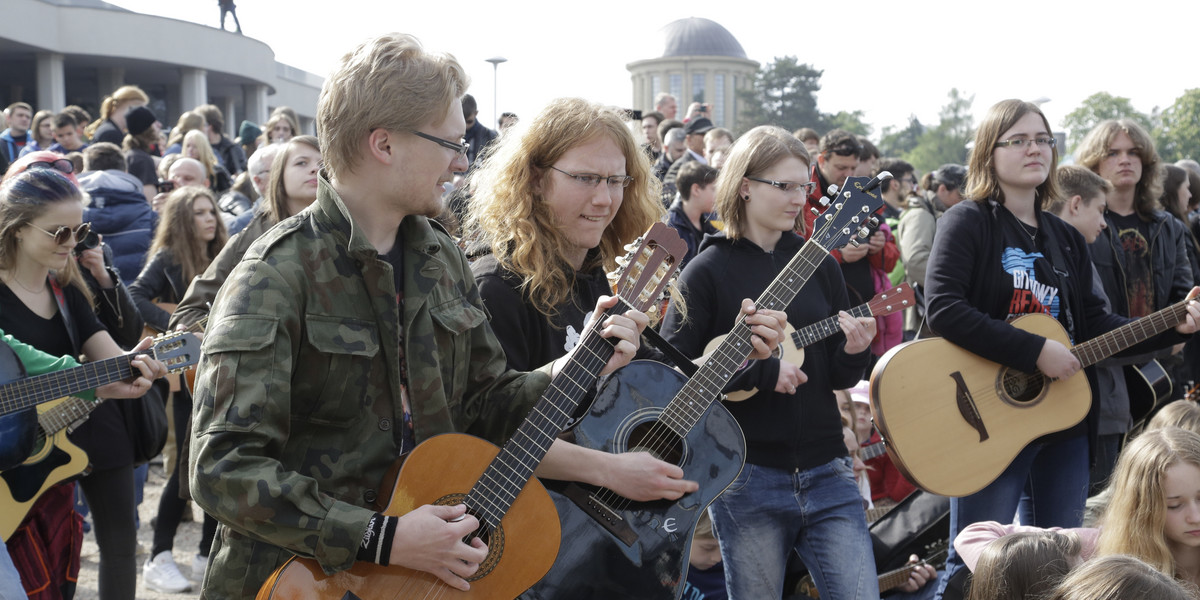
(96, 182)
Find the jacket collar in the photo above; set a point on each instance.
(330, 212)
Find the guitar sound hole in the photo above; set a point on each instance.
(658, 440)
(1022, 388)
(492, 538)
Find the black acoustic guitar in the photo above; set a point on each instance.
(614, 547)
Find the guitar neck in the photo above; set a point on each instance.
(507, 474)
(872, 451)
(690, 404)
(894, 579)
(826, 327)
(31, 391)
(1129, 334)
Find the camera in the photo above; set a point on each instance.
(89, 241)
(165, 187)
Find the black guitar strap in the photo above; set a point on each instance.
(1064, 285)
(671, 351)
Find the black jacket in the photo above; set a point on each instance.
(161, 280)
(786, 431)
(1168, 261)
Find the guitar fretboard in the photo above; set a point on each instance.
(1129, 334)
(34, 390)
(826, 327)
(690, 404)
(60, 417)
(499, 485)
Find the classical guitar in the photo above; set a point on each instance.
(954, 421)
(517, 518)
(794, 340)
(54, 458)
(618, 548)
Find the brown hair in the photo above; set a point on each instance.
(1023, 565)
(177, 233)
(188, 121)
(1094, 148)
(24, 197)
(1074, 180)
(111, 104)
(756, 151)
(275, 198)
(982, 183)
(1120, 577)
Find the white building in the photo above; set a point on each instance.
(701, 62)
(54, 53)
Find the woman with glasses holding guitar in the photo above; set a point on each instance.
(44, 302)
(997, 256)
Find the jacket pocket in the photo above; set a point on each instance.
(454, 321)
(333, 383)
(236, 375)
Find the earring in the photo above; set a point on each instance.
(746, 197)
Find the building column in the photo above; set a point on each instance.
(255, 101)
(51, 82)
(231, 121)
(193, 88)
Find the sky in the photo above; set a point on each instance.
(891, 60)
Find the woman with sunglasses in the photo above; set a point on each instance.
(291, 188)
(44, 302)
(998, 255)
(797, 491)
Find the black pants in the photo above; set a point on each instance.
(109, 495)
(170, 505)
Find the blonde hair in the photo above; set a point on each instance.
(1074, 180)
(188, 121)
(1023, 565)
(1183, 414)
(756, 151)
(982, 182)
(111, 104)
(509, 214)
(389, 82)
(1121, 577)
(207, 158)
(1094, 148)
(177, 233)
(1136, 514)
(276, 118)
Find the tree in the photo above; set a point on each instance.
(1178, 132)
(848, 121)
(901, 142)
(783, 93)
(947, 142)
(1099, 107)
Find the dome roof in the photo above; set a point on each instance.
(699, 37)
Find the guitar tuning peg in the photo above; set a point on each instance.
(622, 261)
(824, 201)
(854, 242)
(814, 211)
(864, 233)
(832, 190)
(874, 220)
(631, 246)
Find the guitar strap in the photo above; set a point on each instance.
(61, 299)
(671, 351)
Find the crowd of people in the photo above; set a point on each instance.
(409, 272)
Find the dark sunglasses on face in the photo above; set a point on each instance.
(845, 151)
(61, 165)
(65, 234)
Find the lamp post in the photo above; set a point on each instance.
(496, 60)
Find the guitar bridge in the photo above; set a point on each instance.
(602, 513)
(966, 406)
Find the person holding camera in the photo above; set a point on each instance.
(118, 210)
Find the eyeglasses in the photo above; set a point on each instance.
(845, 150)
(61, 165)
(1021, 142)
(459, 149)
(615, 182)
(788, 186)
(65, 234)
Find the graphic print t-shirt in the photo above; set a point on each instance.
(1132, 235)
(1029, 279)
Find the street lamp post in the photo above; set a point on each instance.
(496, 60)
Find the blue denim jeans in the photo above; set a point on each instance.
(1045, 486)
(767, 513)
(10, 579)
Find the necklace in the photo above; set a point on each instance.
(1029, 230)
(34, 291)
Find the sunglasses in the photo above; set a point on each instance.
(65, 234)
(61, 165)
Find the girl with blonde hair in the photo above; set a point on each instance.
(195, 145)
(111, 127)
(188, 121)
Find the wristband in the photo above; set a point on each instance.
(376, 546)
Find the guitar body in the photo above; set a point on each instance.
(644, 553)
(953, 422)
(54, 459)
(17, 429)
(440, 470)
(786, 350)
(1149, 385)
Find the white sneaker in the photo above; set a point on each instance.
(199, 564)
(161, 574)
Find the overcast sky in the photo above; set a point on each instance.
(887, 59)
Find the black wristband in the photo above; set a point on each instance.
(376, 546)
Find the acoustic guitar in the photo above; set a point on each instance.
(954, 421)
(794, 341)
(618, 548)
(887, 581)
(1148, 385)
(517, 518)
(54, 458)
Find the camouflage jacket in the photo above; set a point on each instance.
(297, 409)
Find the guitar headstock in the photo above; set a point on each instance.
(179, 351)
(893, 300)
(850, 216)
(646, 270)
